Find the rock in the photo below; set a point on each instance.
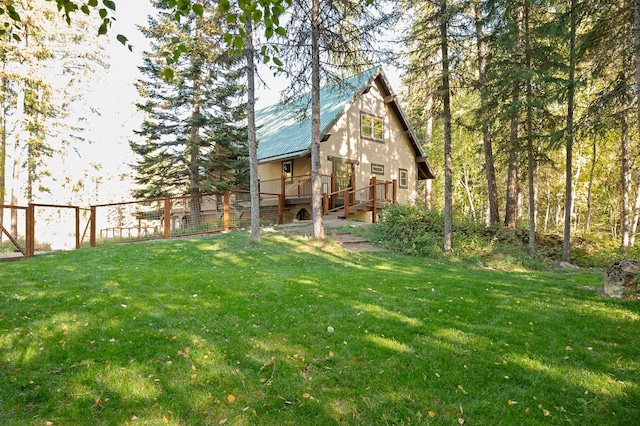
(623, 278)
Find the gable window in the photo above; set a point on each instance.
(403, 178)
(371, 127)
(287, 170)
(377, 169)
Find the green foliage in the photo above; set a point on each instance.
(412, 230)
(418, 231)
(222, 331)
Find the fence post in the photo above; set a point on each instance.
(78, 242)
(31, 229)
(167, 218)
(225, 214)
(92, 231)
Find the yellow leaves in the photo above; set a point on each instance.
(165, 419)
(231, 399)
(511, 402)
(223, 422)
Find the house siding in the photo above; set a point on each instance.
(394, 153)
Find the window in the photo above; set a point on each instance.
(371, 127)
(403, 178)
(287, 170)
(377, 169)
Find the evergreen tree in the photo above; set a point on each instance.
(192, 139)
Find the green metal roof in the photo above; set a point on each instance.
(284, 130)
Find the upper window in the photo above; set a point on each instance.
(287, 170)
(403, 178)
(377, 169)
(371, 127)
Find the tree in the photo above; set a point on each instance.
(446, 111)
(192, 139)
(324, 40)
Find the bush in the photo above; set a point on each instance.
(410, 230)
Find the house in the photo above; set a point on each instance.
(365, 138)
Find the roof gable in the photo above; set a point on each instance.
(284, 130)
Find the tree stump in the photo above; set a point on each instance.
(623, 279)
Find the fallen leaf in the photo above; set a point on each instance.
(305, 395)
(546, 412)
(231, 398)
(510, 402)
(165, 419)
(431, 414)
(222, 422)
(460, 421)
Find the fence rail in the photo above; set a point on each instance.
(26, 230)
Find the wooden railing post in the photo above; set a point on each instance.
(30, 231)
(92, 227)
(386, 191)
(78, 242)
(167, 218)
(325, 204)
(281, 209)
(225, 214)
(374, 196)
(395, 190)
(282, 185)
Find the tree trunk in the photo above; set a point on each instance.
(446, 104)
(587, 224)
(17, 157)
(492, 188)
(625, 182)
(3, 148)
(636, 217)
(568, 200)
(316, 179)
(531, 154)
(251, 130)
(428, 131)
(511, 210)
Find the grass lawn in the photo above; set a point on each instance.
(218, 330)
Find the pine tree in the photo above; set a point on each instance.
(192, 139)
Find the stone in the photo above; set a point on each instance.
(623, 279)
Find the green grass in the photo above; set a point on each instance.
(218, 330)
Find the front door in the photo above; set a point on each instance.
(343, 171)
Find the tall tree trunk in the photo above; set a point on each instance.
(636, 44)
(587, 224)
(428, 131)
(3, 148)
(17, 157)
(625, 182)
(511, 210)
(446, 104)
(492, 188)
(531, 154)
(636, 217)
(251, 129)
(568, 200)
(316, 179)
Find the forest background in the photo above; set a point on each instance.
(536, 102)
